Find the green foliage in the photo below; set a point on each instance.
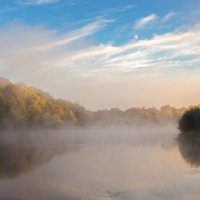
(190, 121)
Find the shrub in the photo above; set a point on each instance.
(190, 121)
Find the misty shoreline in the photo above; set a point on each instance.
(27, 107)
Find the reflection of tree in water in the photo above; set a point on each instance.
(189, 147)
(24, 153)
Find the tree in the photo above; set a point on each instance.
(190, 121)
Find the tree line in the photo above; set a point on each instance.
(24, 106)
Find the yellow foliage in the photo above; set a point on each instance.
(32, 107)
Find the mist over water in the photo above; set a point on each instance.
(98, 163)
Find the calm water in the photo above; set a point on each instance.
(99, 164)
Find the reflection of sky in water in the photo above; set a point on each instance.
(132, 165)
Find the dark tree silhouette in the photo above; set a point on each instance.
(190, 121)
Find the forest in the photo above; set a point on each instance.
(22, 106)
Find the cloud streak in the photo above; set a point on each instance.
(172, 50)
(85, 31)
(38, 2)
(168, 16)
(115, 10)
(140, 23)
(74, 67)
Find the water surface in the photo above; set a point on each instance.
(99, 164)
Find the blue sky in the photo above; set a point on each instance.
(119, 53)
(66, 15)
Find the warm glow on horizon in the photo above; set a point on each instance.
(121, 55)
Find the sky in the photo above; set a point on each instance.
(104, 53)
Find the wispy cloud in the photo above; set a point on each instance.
(169, 16)
(45, 59)
(145, 21)
(96, 16)
(155, 22)
(38, 2)
(75, 35)
(179, 49)
(67, 3)
(114, 10)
